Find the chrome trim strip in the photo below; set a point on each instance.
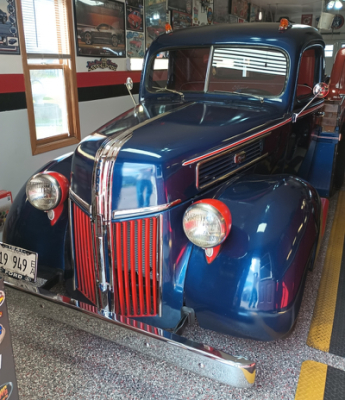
(79, 201)
(72, 240)
(226, 152)
(144, 210)
(208, 70)
(230, 146)
(196, 357)
(234, 171)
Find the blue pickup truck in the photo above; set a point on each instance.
(207, 199)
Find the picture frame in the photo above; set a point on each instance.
(9, 37)
(100, 28)
(240, 8)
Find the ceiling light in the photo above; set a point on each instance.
(338, 5)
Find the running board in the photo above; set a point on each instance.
(196, 357)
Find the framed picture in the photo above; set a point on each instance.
(253, 13)
(181, 5)
(221, 11)
(155, 17)
(100, 28)
(9, 41)
(135, 3)
(180, 20)
(239, 8)
(307, 19)
(134, 18)
(135, 44)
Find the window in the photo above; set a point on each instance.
(248, 70)
(329, 50)
(46, 33)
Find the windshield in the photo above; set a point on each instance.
(239, 70)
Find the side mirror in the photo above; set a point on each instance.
(320, 91)
(129, 83)
(129, 86)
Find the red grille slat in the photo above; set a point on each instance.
(125, 266)
(84, 260)
(140, 266)
(154, 265)
(119, 270)
(133, 272)
(147, 264)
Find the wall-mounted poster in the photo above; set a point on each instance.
(181, 5)
(100, 28)
(9, 42)
(253, 14)
(239, 8)
(221, 11)
(135, 3)
(181, 20)
(307, 19)
(155, 17)
(135, 44)
(134, 18)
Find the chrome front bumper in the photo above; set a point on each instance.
(155, 342)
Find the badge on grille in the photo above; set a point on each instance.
(2, 297)
(2, 333)
(239, 157)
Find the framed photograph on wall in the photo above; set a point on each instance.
(240, 8)
(155, 17)
(100, 28)
(307, 19)
(134, 18)
(253, 13)
(135, 44)
(9, 41)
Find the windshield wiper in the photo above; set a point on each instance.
(168, 90)
(242, 94)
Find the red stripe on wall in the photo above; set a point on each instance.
(14, 83)
(87, 79)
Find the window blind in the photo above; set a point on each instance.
(45, 28)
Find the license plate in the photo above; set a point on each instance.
(18, 263)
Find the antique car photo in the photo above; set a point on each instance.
(102, 33)
(208, 198)
(135, 20)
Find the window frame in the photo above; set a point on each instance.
(39, 146)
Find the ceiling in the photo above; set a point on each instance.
(292, 7)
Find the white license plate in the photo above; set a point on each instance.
(18, 263)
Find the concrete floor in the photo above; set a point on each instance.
(61, 360)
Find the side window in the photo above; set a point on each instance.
(46, 34)
(308, 75)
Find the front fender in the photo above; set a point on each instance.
(30, 228)
(254, 286)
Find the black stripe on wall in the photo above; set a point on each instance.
(12, 101)
(17, 101)
(105, 92)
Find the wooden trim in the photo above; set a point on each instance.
(69, 67)
(55, 145)
(44, 66)
(52, 139)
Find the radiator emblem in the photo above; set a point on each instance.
(239, 157)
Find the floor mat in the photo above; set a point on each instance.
(320, 382)
(327, 330)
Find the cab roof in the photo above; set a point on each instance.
(296, 37)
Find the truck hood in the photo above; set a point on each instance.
(149, 167)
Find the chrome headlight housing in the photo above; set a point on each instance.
(207, 223)
(43, 191)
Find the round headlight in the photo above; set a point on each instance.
(207, 223)
(43, 191)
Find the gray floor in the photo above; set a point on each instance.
(58, 360)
